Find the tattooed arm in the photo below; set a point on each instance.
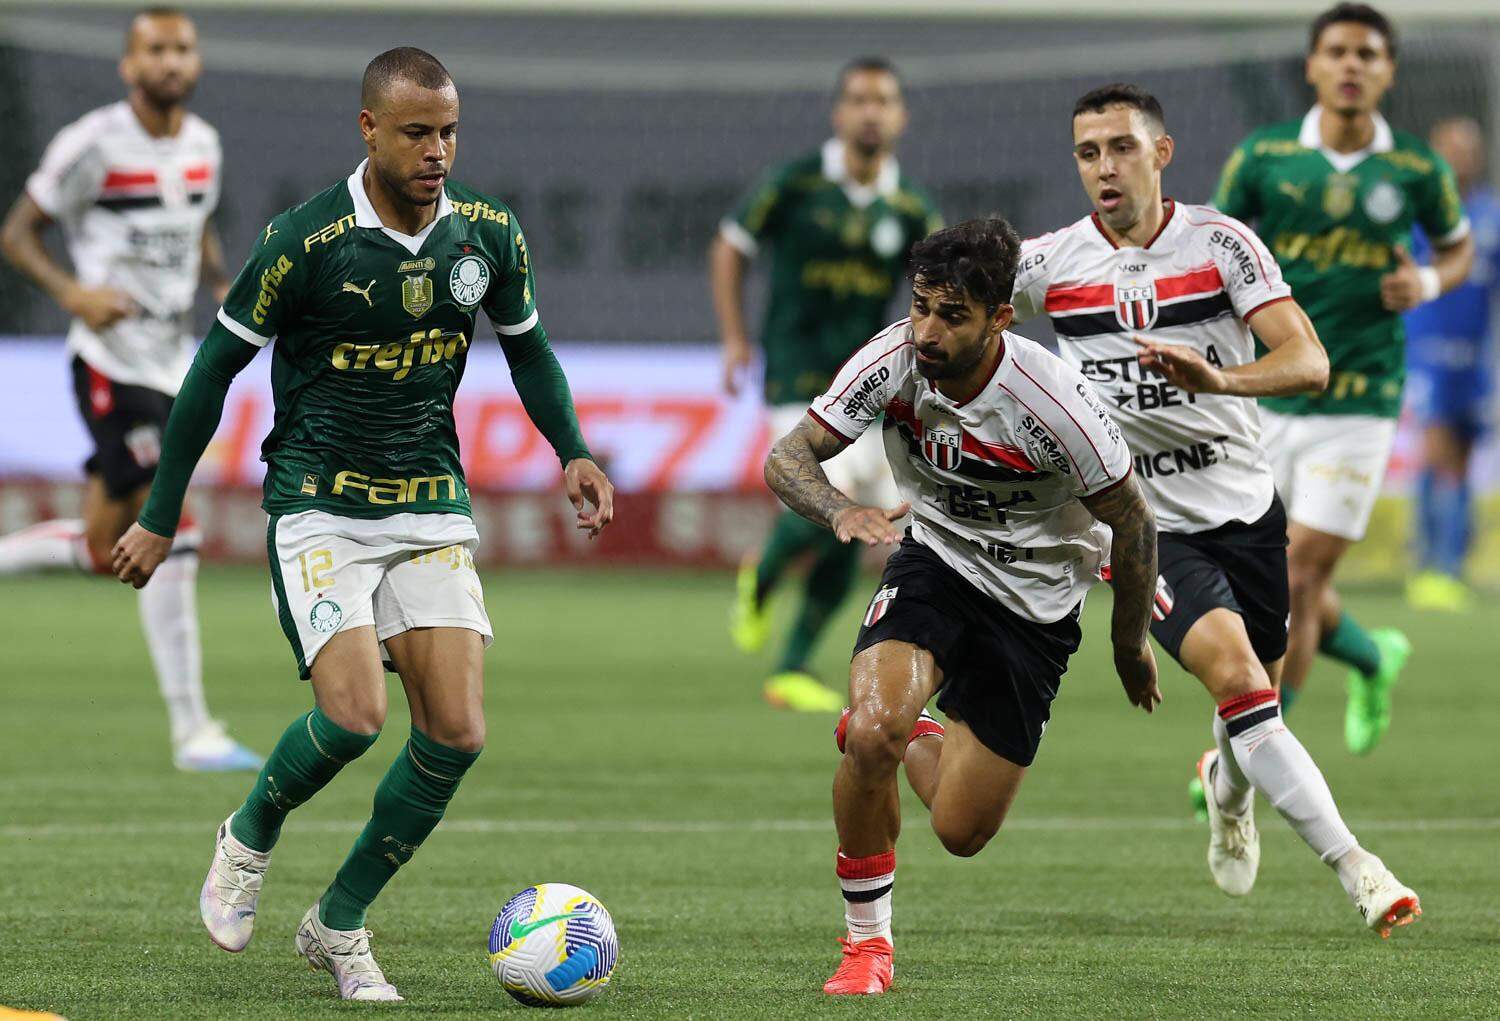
(1133, 568)
(794, 471)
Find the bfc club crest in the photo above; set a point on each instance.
(879, 605)
(1135, 306)
(942, 445)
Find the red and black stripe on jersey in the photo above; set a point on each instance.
(1089, 310)
(980, 461)
(125, 188)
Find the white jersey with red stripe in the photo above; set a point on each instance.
(133, 209)
(994, 481)
(1198, 456)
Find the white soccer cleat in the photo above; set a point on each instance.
(209, 749)
(227, 900)
(1383, 901)
(1233, 841)
(346, 956)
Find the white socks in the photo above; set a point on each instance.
(169, 616)
(867, 884)
(1272, 758)
(45, 546)
(1232, 788)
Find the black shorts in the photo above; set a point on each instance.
(1237, 566)
(1000, 670)
(126, 423)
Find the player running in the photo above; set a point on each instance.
(1011, 469)
(1337, 193)
(1448, 360)
(369, 291)
(132, 185)
(1160, 305)
(840, 221)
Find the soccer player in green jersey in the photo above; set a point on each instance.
(1336, 194)
(840, 221)
(369, 291)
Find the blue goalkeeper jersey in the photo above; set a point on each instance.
(1452, 332)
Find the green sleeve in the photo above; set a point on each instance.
(195, 417)
(760, 213)
(269, 286)
(1439, 208)
(544, 392)
(1235, 194)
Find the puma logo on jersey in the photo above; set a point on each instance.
(270, 229)
(350, 287)
(1298, 192)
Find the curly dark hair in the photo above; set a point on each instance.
(976, 257)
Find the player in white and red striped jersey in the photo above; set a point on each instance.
(1014, 475)
(132, 185)
(1160, 305)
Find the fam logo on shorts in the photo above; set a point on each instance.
(879, 605)
(942, 445)
(1135, 305)
(469, 280)
(326, 617)
(1161, 604)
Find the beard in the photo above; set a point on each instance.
(405, 188)
(162, 95)
(952, 365)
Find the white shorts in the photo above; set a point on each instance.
(860, 471)
(1328, 468)
(332, 573)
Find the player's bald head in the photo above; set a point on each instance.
(146, 21)
(403, 64)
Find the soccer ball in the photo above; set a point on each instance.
(553, 945)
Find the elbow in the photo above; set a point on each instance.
(770, 474)
(1317, 379)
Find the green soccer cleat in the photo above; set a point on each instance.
(1367, 715)
(1197, 800)
(801, 692)
(749, 621)
(1438, 592)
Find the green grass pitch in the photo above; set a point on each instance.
(629, 753)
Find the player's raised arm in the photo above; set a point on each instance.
(541, 384)
(1124, 509)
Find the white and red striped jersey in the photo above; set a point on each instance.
(994, 481)
(1198, 456)
(133, 208)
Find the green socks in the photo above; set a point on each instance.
(791, 536)
(410, 800)
(828, 584)
(309, 754)
(1349, 643)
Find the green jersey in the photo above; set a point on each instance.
(839, 250)
(372, 330)
(1333, 221)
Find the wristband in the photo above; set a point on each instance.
(1432, 283)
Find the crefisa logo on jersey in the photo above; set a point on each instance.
(942, 445)
(1135, 305)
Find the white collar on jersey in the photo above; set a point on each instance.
(1311, 137)
(860, 195)
(365, 215)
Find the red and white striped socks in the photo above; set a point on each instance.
(1272, 759)
(866, 883)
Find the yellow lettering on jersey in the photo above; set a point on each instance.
(1342, 246)
(1278, 147)
(328, 233)
(844, 277)
(1408, 160)
(385, 492)
(424, 347)
(270, 288)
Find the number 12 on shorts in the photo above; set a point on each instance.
(315, 567)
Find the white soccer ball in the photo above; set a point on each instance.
(553, 945)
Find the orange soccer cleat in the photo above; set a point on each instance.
(866, 970)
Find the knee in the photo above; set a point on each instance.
(463, 735)
(964, 839)
(358, 714)
(1305, 582)
(876, 738)
(1237, 675)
